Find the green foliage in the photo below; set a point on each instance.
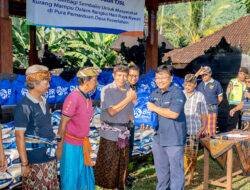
(76, 47)
(186, 23)
(20, 33)
(92, 46)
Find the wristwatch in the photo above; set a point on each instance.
(58, 139)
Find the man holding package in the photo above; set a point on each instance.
(169, 141)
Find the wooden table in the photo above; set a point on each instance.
(220, 147)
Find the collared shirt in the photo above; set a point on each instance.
(78, 107)
(34, 118)
(171, 132)
(211, 90)
(195, 106)
(110, 96)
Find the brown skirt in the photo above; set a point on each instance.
(111, 165)
(42, 177)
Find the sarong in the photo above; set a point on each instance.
(111, 165)
(42, 177)
(75, 175)
(211, 124)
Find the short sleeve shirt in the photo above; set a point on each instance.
(171, 132)
(211, 91)
(110, 96)
(79, 109)
(35, 119)
(194, 108)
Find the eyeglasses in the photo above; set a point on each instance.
(134, 76)
(163, 79)
(204, 75)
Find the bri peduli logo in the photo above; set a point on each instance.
(24, 91)
(5, 93)
(61, 90)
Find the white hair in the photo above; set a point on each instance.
(35, 68)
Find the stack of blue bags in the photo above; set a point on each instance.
(12, 177)
(11, 92)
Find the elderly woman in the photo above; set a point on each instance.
(32, 120)
(76, 165)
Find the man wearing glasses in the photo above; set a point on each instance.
(133, 77)
(168, 145)
(213, 93)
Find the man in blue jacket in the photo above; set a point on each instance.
(168, 145)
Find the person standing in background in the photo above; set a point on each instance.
(244, 106)
(235, 91)
(196, 118)
(75, 163)
(213, 93)
(133, 77)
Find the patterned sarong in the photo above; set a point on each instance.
(42, 177)
(111, 165)
(211, 124)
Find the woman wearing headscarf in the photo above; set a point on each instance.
(34, 133)
(74, 149)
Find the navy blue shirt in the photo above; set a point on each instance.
(30, 117)
(211, 91)
(171, 132)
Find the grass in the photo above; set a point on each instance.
(144, 173)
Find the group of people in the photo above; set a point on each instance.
(190, 113)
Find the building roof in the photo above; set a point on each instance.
(236, 34)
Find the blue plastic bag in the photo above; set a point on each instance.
(20, 88)
(7, 96)
(96, 95)
(142, 116)
(105, 77)
(73, 84)
(61, 88)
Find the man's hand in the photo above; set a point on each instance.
(232, 112)
(131, 95)
(25, 170)
(199, 72)
(59, 152)
(3, 163)
(151, 106)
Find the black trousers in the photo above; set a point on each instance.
(232, 121)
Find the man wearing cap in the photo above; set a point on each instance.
(213, 93)
(168, 145)
(75, 163)
(32, 120)
(235, 91)
(196, 118)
